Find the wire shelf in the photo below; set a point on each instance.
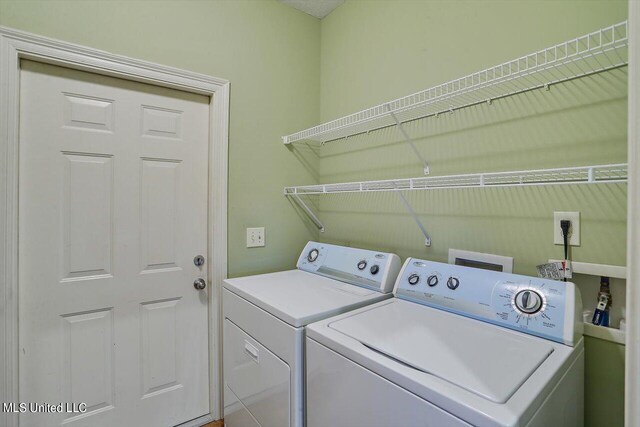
(599, 51)
(562, 176)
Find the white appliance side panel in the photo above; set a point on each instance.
(258, 378)
(341, 392)
(565, 404)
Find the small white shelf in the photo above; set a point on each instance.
(599, 51)
(607, 334)
(613, 271)
(615, 173)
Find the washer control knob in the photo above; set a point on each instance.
(313, 255)
(413, 279)
(362, 265)
(453, 283)
(432, 280)
(528, 301)
(374, 269)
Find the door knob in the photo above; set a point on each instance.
(199, 284)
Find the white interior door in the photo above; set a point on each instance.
(112, 212)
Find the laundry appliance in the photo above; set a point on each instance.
(456, 346)
(264, 327)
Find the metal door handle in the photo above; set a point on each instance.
(199, 284)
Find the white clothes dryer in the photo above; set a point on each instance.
(264, 326)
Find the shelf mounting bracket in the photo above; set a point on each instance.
(312, 215)
(427, 238)
(408, 140)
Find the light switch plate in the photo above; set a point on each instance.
(255, 237)
(574, 231)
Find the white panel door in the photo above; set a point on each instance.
(113, 210)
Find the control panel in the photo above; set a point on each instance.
(546, 308)
(361, 267)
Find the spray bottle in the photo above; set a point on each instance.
(601, 314)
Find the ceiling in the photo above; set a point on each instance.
(317, 8)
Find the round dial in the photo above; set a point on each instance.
(453, 283)
(313, 255)
(432, 280)
(362, 265)
(413, 279)
(374, 269)
(528, 301)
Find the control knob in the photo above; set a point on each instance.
(432, 280)
(362, 265)
(453, 283)
(374, 269)
(528, 301)
(313, 255)
(413, 279)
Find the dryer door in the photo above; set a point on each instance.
(258, 378)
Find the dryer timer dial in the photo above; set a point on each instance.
(528, 301)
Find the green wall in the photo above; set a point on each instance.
(375, 51)
(288, 71)
(270, 54)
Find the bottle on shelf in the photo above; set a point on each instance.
(601, 313)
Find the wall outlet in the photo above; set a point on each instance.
(255, 237)
(574, 231)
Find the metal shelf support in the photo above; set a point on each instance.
(409, 141)
(312, 215)
(427, 238)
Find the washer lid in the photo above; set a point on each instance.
(299, 298)
(484, 359)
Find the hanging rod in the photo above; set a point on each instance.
(600, 174)
(600, 51)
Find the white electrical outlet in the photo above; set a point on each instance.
(255, 237)
(574, 231)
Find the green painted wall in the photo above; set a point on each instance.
(374, 51)
(604, 389)
(288, 70)
(269, 52)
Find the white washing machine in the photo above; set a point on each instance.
(457, 346)
(264, 324)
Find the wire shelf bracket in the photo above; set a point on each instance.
(427, 238)
(310, 213)
(409, 141)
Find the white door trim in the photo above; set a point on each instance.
(16, 45)
(632, 368)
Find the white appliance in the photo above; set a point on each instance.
(264, 323)
(457, 346)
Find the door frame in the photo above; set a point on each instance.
(632, 348)
(16, 45)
